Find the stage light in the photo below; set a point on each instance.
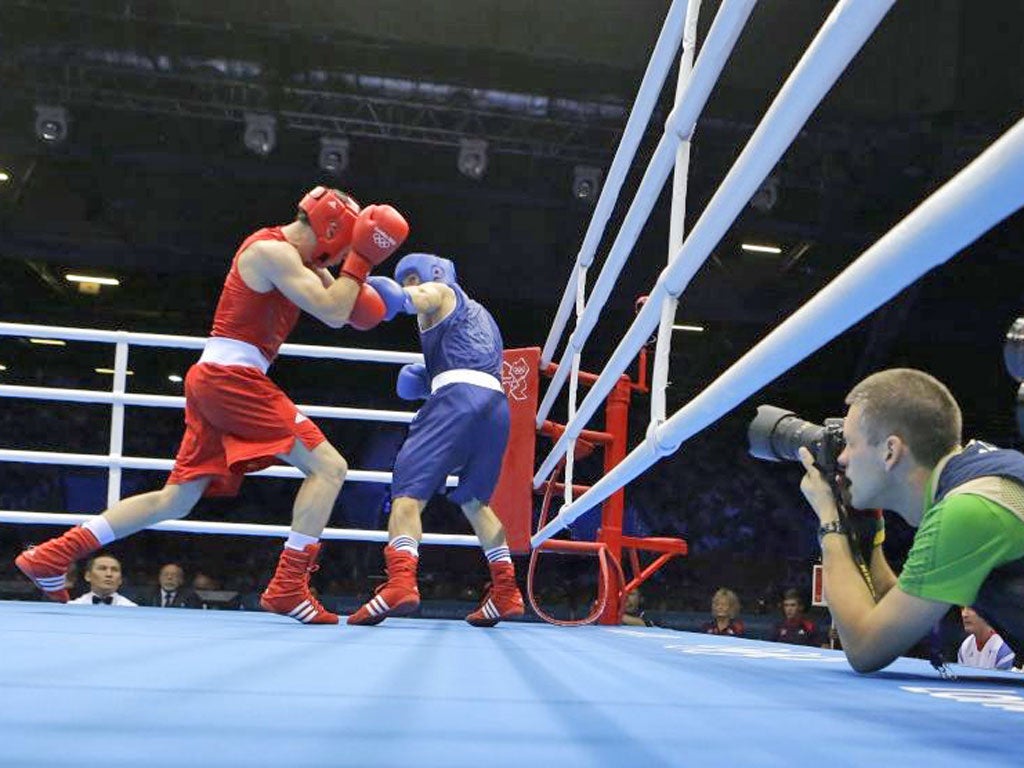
(473, 158)
(260, 135)
(51, 124)
(90, 279)
(586, 183)
(754, 248)
(333, 154)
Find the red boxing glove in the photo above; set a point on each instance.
(369, 309)
(378, 232)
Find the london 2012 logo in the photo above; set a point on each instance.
(513, 378)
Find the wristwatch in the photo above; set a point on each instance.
(835, 526)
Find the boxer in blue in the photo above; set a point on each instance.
(462, 428)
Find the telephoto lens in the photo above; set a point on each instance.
(776, 434)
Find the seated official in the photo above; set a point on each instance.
(172, 592)
(103, 575)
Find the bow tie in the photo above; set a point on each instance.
(96, 599)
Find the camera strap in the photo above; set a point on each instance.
(854, 535)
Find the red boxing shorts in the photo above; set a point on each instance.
(236, 421)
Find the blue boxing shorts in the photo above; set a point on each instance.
(462, 429)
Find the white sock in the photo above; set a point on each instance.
(498, 555)
(100, 528)
(406, 544)
(299, 541)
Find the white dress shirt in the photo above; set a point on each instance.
(118, 599)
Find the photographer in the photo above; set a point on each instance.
(902, 452)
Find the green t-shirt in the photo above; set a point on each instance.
(960, 541)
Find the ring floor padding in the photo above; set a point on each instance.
(103, 686)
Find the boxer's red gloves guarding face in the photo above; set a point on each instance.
(378, 233)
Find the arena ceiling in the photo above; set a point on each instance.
(154, 182)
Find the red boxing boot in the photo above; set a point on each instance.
(288, 592)
(398, 596)
(47, 564)
(502, 600)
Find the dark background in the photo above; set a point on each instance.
(154, 186)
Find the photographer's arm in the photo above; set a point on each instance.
(872, 634)
(881, 574)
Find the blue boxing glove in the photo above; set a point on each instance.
(413, 382)
(396, 298)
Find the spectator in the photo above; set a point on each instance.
(795, 628)
(725, 610)
(633, 610)
(214, 596)
(172, 592)
(983, 647)
(203, 582)
(103, 574)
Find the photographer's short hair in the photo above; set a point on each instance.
(912, 405)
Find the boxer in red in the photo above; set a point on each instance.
(236, 419)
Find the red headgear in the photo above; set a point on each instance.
(332, 215)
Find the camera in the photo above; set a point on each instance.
(776, 434)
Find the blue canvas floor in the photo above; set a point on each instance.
(99, 686)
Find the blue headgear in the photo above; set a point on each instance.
(427, 266)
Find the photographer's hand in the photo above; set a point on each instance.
(816, 490)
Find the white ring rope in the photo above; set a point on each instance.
(117, 398)
(235, 529)
(844, 32)
(174, 401)
(651, 85)
(679, 125)
(973, 201)
(197, 342)
(139, 462)
(676, 229)
(963, 209)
